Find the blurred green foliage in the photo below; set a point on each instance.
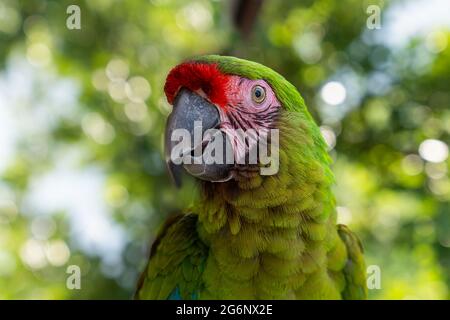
(394, 198)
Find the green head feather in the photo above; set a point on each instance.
(287, 94)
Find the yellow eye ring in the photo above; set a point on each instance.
(258, 94)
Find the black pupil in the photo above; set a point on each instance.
(258, 93)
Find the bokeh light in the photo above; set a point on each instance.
(333, 93)
(433, 150)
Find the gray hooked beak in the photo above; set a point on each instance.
(190, 110)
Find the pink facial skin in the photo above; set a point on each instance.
(243, 112)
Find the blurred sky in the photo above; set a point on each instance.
(78, 190)
(408, 19)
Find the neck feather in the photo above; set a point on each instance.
(298, 193)
(273, 224)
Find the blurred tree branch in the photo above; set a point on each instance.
(244, 15)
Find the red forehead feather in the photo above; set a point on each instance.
(195, 76)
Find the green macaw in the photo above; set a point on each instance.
(251, 235)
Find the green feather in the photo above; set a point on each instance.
(266, 237)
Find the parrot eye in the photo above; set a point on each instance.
(258, 94)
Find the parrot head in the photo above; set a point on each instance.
(231, 103)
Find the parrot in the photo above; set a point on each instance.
(250, 235)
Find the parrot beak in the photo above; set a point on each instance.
(185, 140)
